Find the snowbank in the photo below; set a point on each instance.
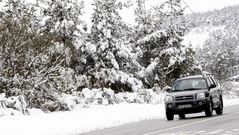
(83, 120)
(79, 121)
(230, 102)
(15, 105)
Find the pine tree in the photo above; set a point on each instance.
(216, 56)
(32, 61)
(62, 17)
(106, 33)
(111, 58)
(106, 37)
(21, 47)
(163, 49)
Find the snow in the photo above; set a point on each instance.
(90, 48)
(86, 114)
(151, 67)
(206, 5)
(231, 102)
(84, 120)
(236, 77)
(153, 36)
(197, 36)
(128, 13)
(79, 121)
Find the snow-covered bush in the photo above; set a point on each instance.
(147, 96)
(51, 106)
(69, 100)
(119, 81)
(129, 97)
(230, 89)
(15, 105)
(98, 97)
(63, 102)
(91, 96)
(109, 96)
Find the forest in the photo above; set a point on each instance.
(47, 50)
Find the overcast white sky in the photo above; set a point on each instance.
(207, 5)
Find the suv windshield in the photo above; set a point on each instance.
(190, 84)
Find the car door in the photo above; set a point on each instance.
(215, 92)
(219, 92)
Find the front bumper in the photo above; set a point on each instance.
(189, 106)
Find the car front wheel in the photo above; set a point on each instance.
(209, 110)
(219, 110)
(170, 116)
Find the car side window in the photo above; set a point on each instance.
(215, 81)
(208, 82)
(212, 81)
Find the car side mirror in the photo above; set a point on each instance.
(168, 89)
(213, 86)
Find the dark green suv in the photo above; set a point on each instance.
(194, 94)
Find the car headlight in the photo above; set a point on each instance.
(201, 95)
(168, 98)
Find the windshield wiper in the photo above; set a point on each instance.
(188, 89)
(177, 90)
(193, 89)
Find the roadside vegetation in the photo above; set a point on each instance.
(52, 60)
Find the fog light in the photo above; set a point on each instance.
(170, 105)
(200, 103)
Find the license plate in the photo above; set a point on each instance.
(185, 106)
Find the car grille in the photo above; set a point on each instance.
(184, 103)
(180, 98)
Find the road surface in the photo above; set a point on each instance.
(194, 124)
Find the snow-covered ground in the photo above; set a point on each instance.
(83, 120)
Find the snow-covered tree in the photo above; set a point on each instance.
(111, 55)
(63, 18)
(142, 20)
(216, 55)
(32, 61)
(162, 49)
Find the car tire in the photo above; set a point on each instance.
(219, 110)
(170, 116)
(181, 116)
(209, 110)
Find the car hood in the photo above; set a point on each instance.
(184, 93)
